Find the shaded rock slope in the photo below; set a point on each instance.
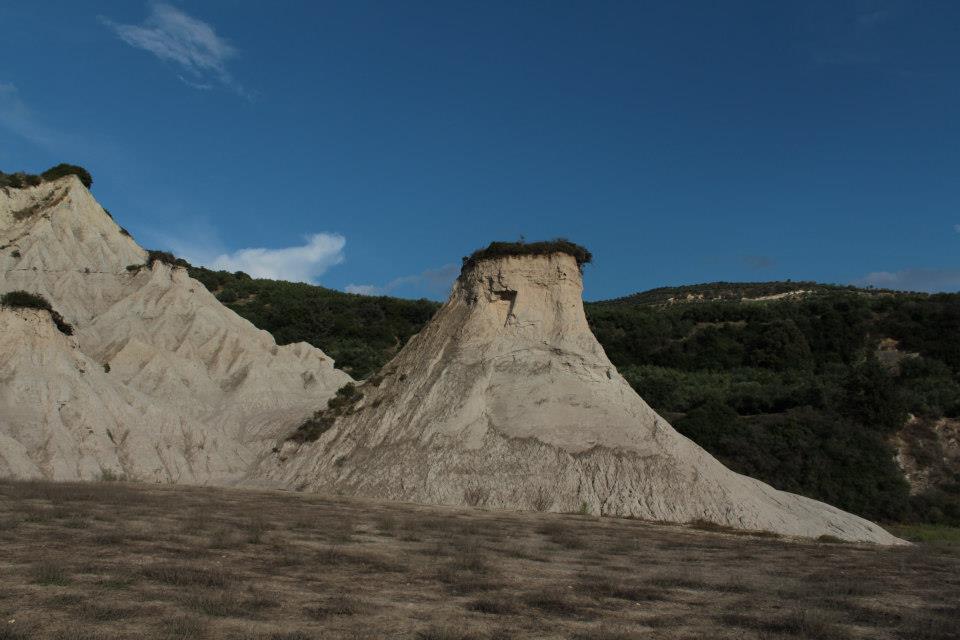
(160, 382)
(506, 400)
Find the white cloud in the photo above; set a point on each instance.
(433, 281)
(17, 117)
(931, 280)
(362, 289)
(303, 263)
(956, 228)
(173, 36)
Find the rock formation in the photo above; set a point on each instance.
(506, 400)
(160, 382)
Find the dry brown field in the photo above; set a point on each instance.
(111, 560)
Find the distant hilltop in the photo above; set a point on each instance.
(740, 291)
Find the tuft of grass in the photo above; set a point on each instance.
(616, 587)
(334, 606)
(828, 539)
(448, 632)
(183, 628)
(556, 602)
(186, 576)
(563, 534)
(926, 533)
(494, 605)
(229, 604)
(807, 624)
(49, 573)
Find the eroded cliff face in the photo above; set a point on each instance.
(160, 382)
(506, 400)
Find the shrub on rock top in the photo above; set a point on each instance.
(25, 300)
(502, 249)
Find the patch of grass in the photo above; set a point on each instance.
(806, 624)
(494, 605)
(103, 611)
(255, 529)
(187, 576)
(678, 580)
(446, 632)
(229, 604)
(49, 573)
(924, 626)
(183, 628)
(828, 539)
(555, 601)
(563, 534)
(610, 632)
(616, 587)
(463, 582)
(334, 606)
(929, 533)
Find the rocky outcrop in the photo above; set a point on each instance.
(160, 381)
(506, 400)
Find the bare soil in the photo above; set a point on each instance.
(115, 560)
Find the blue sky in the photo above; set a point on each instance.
(369, 145)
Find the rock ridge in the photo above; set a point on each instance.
(506, 400)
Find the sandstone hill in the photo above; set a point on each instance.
(159, 381)
(506, 400)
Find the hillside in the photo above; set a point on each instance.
(359, 332)
(845, 395)
(115, 363)
(506, 400)
(809, 392)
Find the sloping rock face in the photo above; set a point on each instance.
(506, 400)
(160, 381)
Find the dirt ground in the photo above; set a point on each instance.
(116, 560)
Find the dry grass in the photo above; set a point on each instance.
(105, 561)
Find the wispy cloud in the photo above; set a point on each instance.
(18, 118)
(187, 42)
(758, 262)
(931, 280)
(301, 263)
(956, 228)
(432, 281)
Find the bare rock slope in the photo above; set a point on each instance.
(507, 400)
(160, 382)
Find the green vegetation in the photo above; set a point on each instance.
(927, 533)
(796, 392)
(340, 404)
(64, 169)
(165, 257)
(20, 180)
(361, 333)
(793, 391)
(500, 249)
(26, 300)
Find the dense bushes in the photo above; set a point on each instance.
(501, 249)
(64, 169)
(341, 403)
(20, 180)
(791, 392)
(361, 333)
(26, 300)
